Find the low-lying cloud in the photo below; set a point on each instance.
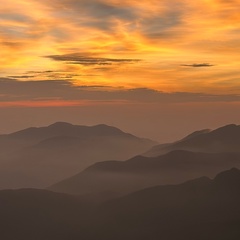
(57, 90)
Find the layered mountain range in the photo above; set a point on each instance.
(39, 157)
(203, 153)
(198, 209)
(223, 139)
(188, 189)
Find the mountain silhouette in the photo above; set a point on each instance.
(66, 129)
(121, 177)
(198, 209)
(38, 157)
(224, 139)
(40, 214)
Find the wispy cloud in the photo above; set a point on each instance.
(76, 58)
(128, 43)
(22, 76)
(198, 65)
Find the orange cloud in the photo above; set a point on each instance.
(164, 34)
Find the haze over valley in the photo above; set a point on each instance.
(68, 178)
(119, 120)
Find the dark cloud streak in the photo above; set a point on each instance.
(22, 76)
(198, 65)
(76, 58)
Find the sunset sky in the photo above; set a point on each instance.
(164, 64)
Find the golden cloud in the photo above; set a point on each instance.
(163, 34)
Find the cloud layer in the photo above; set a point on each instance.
(63, 93)
(135, 44)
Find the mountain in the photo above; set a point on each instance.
(28, 214)
(224, 139)
(66, 129)
(38, 157)
(198, 209)
(121, 177)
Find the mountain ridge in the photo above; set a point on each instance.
(45, 155)
(63, 127)
(140, 172)
(223, 139)
(197, 209)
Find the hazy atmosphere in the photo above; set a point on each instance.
(119, 119)
(142, 66)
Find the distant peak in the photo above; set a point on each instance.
(232, 174)
(228, 130)
(60, 124)
(232, 125)
(228, 127)
(197, 133)
(103, 125)
(107, 129)
(230, 171)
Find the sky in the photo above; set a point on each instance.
(159, 69)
